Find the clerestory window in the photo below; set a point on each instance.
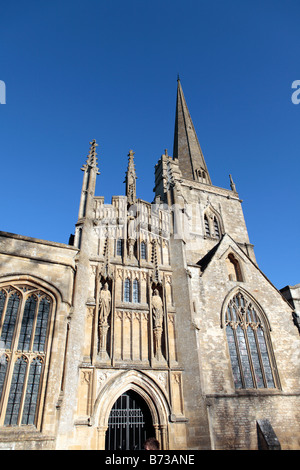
(249, 345)
(25, 313)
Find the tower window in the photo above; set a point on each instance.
(249, 346)
(212, 224)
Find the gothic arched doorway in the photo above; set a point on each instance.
(129, 424)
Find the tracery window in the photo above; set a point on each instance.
(25, 313)
(212, 224)
(249, 345)
(131, 291)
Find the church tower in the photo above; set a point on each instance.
(228, 313)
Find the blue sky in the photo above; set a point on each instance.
(107, 70)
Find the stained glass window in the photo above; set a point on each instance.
(10, 316)
(27, 324)
(3, 368)
(16, 390)
(32, 391)
(41, 325)
(248, 348)
(24, 326)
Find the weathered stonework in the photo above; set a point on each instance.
(163, 300)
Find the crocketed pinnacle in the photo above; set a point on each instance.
(92, 160)
(130, 179)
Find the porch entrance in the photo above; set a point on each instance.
(129, 424)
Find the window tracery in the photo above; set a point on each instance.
(249, 345)
(212, 223)
(25, 313)
(131, 291)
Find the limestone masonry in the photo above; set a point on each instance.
(155, 321)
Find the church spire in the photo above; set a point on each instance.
(186, 145)
(130, 179)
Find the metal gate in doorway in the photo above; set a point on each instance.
(129, 424)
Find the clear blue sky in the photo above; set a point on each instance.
(107, 70)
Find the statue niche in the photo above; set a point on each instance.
(104, 313)
(157, 316)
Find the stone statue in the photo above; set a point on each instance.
(157, 313)
(105, 305)
(157, 309)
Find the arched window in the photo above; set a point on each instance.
(212, 223)
(200, 175)
(127, 290)
(135, 291)
(249, 345)
(25, 313)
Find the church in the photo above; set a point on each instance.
(154, 321)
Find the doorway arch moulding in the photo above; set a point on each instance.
(151, 393)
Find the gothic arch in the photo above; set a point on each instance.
(28, 339)
(247, 330)
(142, 384)
(213, 222)
(235, 272)
(234, 292)
(33, 281)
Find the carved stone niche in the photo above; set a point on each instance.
(104, 316)
(157, 311)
